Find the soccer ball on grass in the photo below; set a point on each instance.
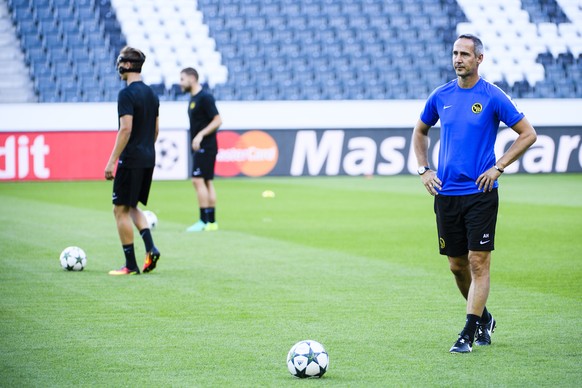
(73, 259)
(151, 218)
(307, 359)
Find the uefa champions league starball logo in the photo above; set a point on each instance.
(167, 154)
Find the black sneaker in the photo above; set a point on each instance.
(151, 259)
(484, 332)
(463, 345)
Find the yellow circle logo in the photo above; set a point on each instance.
(442, 243)
(477, 108)
(192, 105)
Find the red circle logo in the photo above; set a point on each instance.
(254, 153)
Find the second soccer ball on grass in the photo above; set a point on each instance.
(151, 218)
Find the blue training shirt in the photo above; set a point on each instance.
(469, 124)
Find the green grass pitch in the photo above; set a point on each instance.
(350, 262)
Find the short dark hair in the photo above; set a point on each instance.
(190, 71)
(132, 55)
(477, 44)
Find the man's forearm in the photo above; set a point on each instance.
(120, 143)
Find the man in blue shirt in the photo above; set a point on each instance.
(465, 182)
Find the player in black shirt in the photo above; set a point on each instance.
(204, 122)
(134, 152)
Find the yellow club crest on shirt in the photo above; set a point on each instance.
(477, 108)
(192, 105)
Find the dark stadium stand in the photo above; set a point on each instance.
(544, 11)
(286, 49)
(321, 49)
(70, 48)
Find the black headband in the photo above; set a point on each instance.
(137, 69)
(121, 58)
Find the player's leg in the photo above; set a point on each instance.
(481, 222)
(211, 224)
(459, 266)
(202, 196)
(201, 192)
(138, 218)
(453, 240)
(124, 225)
(143, 181)
(125, 231)
(461, 269)
(152, 253)
(480, 263)
(210, 164)
(211, 193)
(202, 175)
(123, 197)
(453, 243)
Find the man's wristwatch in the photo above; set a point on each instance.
(423, 169)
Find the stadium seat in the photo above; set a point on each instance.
(317, 44)
(42, 13)
(86, 14)
(92, 95)
(61, 4)
(26, 26)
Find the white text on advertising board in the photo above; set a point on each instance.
(336, 153)
(17, 151)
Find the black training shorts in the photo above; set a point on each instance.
(132, 185)
(203, 162)
(466, 222)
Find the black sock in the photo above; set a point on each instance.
(486, 317)
(211, 214)
(129, 256)
(148, 241)
(471, 325)
(203, 216)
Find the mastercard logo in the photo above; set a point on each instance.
(253, 153)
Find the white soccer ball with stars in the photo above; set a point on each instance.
(151, 218)
(73, 259)
(307, 359)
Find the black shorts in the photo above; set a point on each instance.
(466, 222)
(203, 163)
(132, 185)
